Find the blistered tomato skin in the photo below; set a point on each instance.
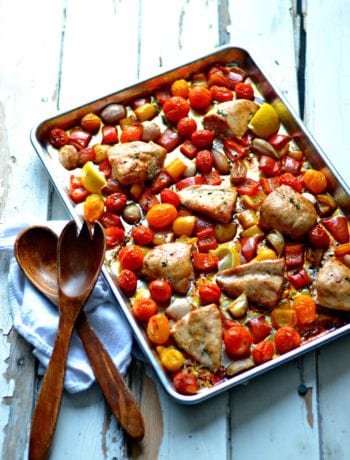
(238, 341)
(186, 384)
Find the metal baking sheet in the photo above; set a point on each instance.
(293, 126)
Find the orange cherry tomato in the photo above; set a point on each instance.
(161, 215)
(305, 309)
(144, 308)
(238, 341)
(127, 281)
(315, 181)
(180, 88)
(244, 91)
(131, 133)
(200, 97)
(209, 293)
(158, 329)
(286, 339)
(131, 257)
(175, 108)
(142, 235)
(263, 352)
(91, 122)
(160, 290)
(186, 383)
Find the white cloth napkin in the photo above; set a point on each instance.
(36, 319)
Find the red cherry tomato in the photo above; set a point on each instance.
(58, 137)
(108, 219)
(114, 236)
(131, 257)
(319, 238)
(142, 235)
(127, 281)
(263, 352)
(186, 383)
(221, 93)
(238, 341)
(169, 196)
(200, 97)
(209, 293)
(244, 91)
(204, 161)
(116, 202)
(202, 138)
(160, 290)
(176, 108)
(286, 339)
(186, 126)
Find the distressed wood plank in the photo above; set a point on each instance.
(327, 104)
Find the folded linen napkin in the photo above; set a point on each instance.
(36, 319)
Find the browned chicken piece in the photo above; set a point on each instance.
(214, 201)
(172, 262)
(333, 285)
(135, 162)
(288, 211)
(199, 333)
(230, 118)
(262, 281)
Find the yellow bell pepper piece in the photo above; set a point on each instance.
(146, 111)
(176, 168)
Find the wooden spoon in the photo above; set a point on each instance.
(80, 258)
(40, 267)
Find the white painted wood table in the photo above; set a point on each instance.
(56, 55)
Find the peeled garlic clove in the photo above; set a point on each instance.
(276, 239)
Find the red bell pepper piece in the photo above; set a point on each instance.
(189, 149)
(299, 279)
(248, 187)
(147, 200)
(169, 139)
(204, 262)
(290, 165)
(269, 166)
(109, 135)
(294, 255)
(318, 237)
(213, 178)
(206, 240)
(105, 167)
(163, 180)
(249, 246)
(79, 138)
(188, 181)
(269, 184)
(234, 150)
(288, 179)
(259, 328)
(338, 227)
(278, 141)
(77, 192)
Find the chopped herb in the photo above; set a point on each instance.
(297, 205)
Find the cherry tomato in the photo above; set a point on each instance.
(85, 155)
(263, 352)
(186, 383)
(180, 87)
(116, 202)
(200, 97)
(131, 257)
(114, 236)
(217, 75)
(259, 328)
(142, 235)
(204, 161)
(202, 138)
(319, 238)
(144, 308)
(238, 341)
(169, 196)
(186, 126)
(244, 91)
(209, 293)
(176, 108)
(158, 329)
(58, 137)
(160, 290)
(286, 339)
(127, 281)
(221, 93)
(108, 219)
(109, 135)
(91, 122)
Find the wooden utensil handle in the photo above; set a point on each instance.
(118, 395)
(50, 396)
